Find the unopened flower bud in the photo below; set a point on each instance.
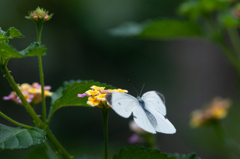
(39, 15)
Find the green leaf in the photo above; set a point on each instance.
(10, 34)
(67, 94)
(191, 9)
(195, 9)
(56, 95)
(16, 138)
(33, 49)
(228, 20)
(8, 51)
(39, 152)
(159, 29)
(188, 156)
(3, 36)
(13, 32)
(138, 152)
(213, 5)
(171, 29)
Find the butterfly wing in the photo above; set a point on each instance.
(142, 120)
(163, 124)
(123, 104)
(154, 103)
(155, 100)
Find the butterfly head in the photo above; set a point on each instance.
(138, 95)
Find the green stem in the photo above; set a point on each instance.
(39, 31)
(30, 110)
(105, 127)
(234, 37)
(14, 122)
(56, 144)
(50, 136)
(44, 111)
(220, 41)
(42, 87)
(230, 56)
(230, 144)
(150, 140)
(51, 150)
(34, 116)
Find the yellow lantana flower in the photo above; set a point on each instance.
(97, 88)
(32, 93)
(216, 110)
(92, 92)
(101, 97)
(38, 90)
(122, 91)
(113, 90)
(96, 96)
(93, 101)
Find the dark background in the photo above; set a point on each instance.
(188, 72)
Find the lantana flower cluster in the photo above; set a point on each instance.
(216, 110)
(39, 15)
(96, 96)
(32, 93)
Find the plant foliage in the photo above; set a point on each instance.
(16, 138)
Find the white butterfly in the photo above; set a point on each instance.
(148, 112)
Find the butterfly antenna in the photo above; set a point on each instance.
(142, 89)
(133, 87)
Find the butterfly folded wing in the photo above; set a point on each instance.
(155, 100)
(142, 120)
(163, 124)
(123, 104)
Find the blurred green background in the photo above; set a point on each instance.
(188, 72)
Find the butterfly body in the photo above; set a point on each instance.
(141, 102)
(148, 111)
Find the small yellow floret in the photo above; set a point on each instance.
(26, 96)
(93, 101)
(113, 90)
(219, 113)
(39, 91)
(97, 88)
(47, 93)
(35, 90)
(122, 91)
(25, 86)
(91, 92)
(101, 97)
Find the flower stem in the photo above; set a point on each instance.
(39, 31)
(30, 110)
(230, 144)
(105, 128)
(37, 121)
(234, 38)
(230, 56)
(44, 111)
(51, 150)
(14, 122)
(57, 145)
(42, 87)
